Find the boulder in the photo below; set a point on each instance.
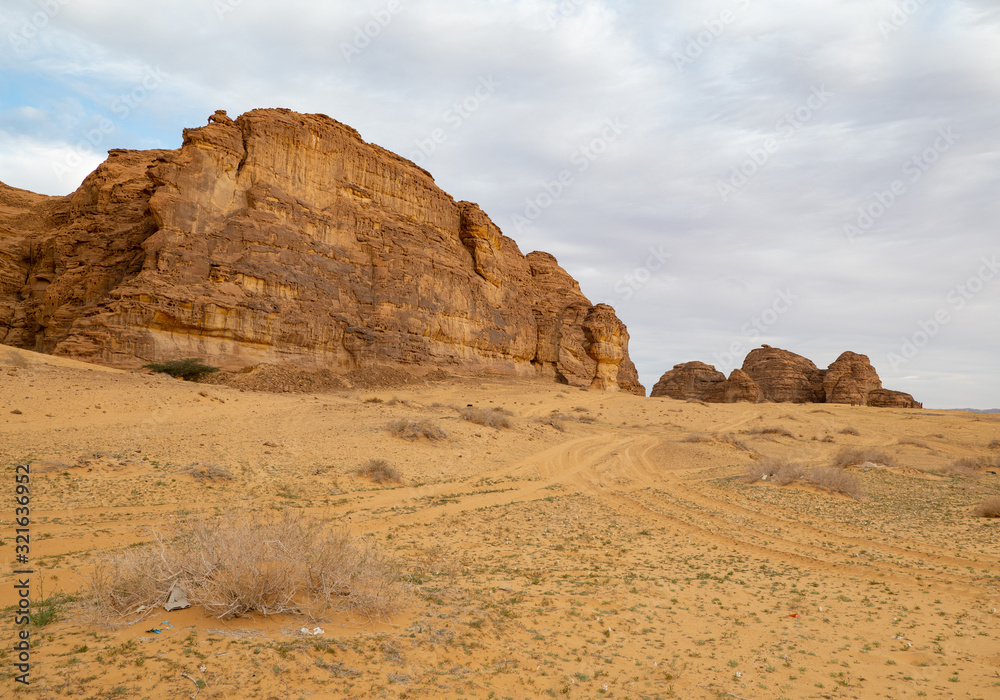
(784, 376)
(738, 388)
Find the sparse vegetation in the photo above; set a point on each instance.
(490, 417)
(837, 480)
(774, 470)
(990, 508)
(854, 456)
(410, 429)
(697, 437)
(380, 471)
(243, 563)
(850, 431)
(553, 422)
(190, 369)
(915, 443)
(207, 472)
(968, 467)
(769, 430)
(995, 445)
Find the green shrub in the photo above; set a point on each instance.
(190, 369)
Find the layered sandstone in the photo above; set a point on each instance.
(285, 238)
(772, 374)
(690, 381)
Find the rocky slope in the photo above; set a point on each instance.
(772, 374)
(285, 238)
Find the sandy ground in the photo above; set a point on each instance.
(623, 555)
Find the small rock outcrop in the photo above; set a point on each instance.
(286, 239)
(772, 374)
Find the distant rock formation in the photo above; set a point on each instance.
(771, 374)
(284, 238)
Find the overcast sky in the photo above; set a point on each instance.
(818, 175)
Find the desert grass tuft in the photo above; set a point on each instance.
(697, 437)
(207, 472)
(244, 563)
(380, 471)
(995, 445)
(837, 480)
(853, 456)
(775, 470)
(409, 429)
(554, 422)
(769, 430)
(489, 417)
(850, 431)
(915, 443)
(990, 508)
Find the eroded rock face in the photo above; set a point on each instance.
(850, 379)
(886, 398)
(285, 238)
(691, 381)
(785, 376)
(738, 388)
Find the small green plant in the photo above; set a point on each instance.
(190, 369)
(379, 471)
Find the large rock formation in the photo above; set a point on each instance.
(784, 376)
(771, 374)
(691, 381)
(285, 238)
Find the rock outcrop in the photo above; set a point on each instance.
(284, 238)
(691, 381)
(738, 388)
(771, 374)
(784, 376)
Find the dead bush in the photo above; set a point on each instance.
(409, 429)
(207, 472)
(853, 456)
(774, 470)
(850, 431)
(554, 422)
(837, 480)
(379, 471)
(244, 563)
(730, 439)
(697, 437)
(995, 445)
(915, 443)
(990, 508)
(490, 417)
(769, 430)
(968, 467)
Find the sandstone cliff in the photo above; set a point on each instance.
(285, 238)
(772, 374)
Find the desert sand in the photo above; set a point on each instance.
(614, 551)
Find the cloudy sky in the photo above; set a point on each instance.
(820, 176)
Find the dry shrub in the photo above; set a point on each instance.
(244, 563)
(968, 467)
(554, 422)
(775, 470)
(730, 439)
(409, 429)
(915, 443)
(769, 430)
(995, 445)
(207, 472)
(697, 437)
(380, 471)
(837, 480)
(490, 417)
(990, 508)
(853, 456)
(850, 431)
